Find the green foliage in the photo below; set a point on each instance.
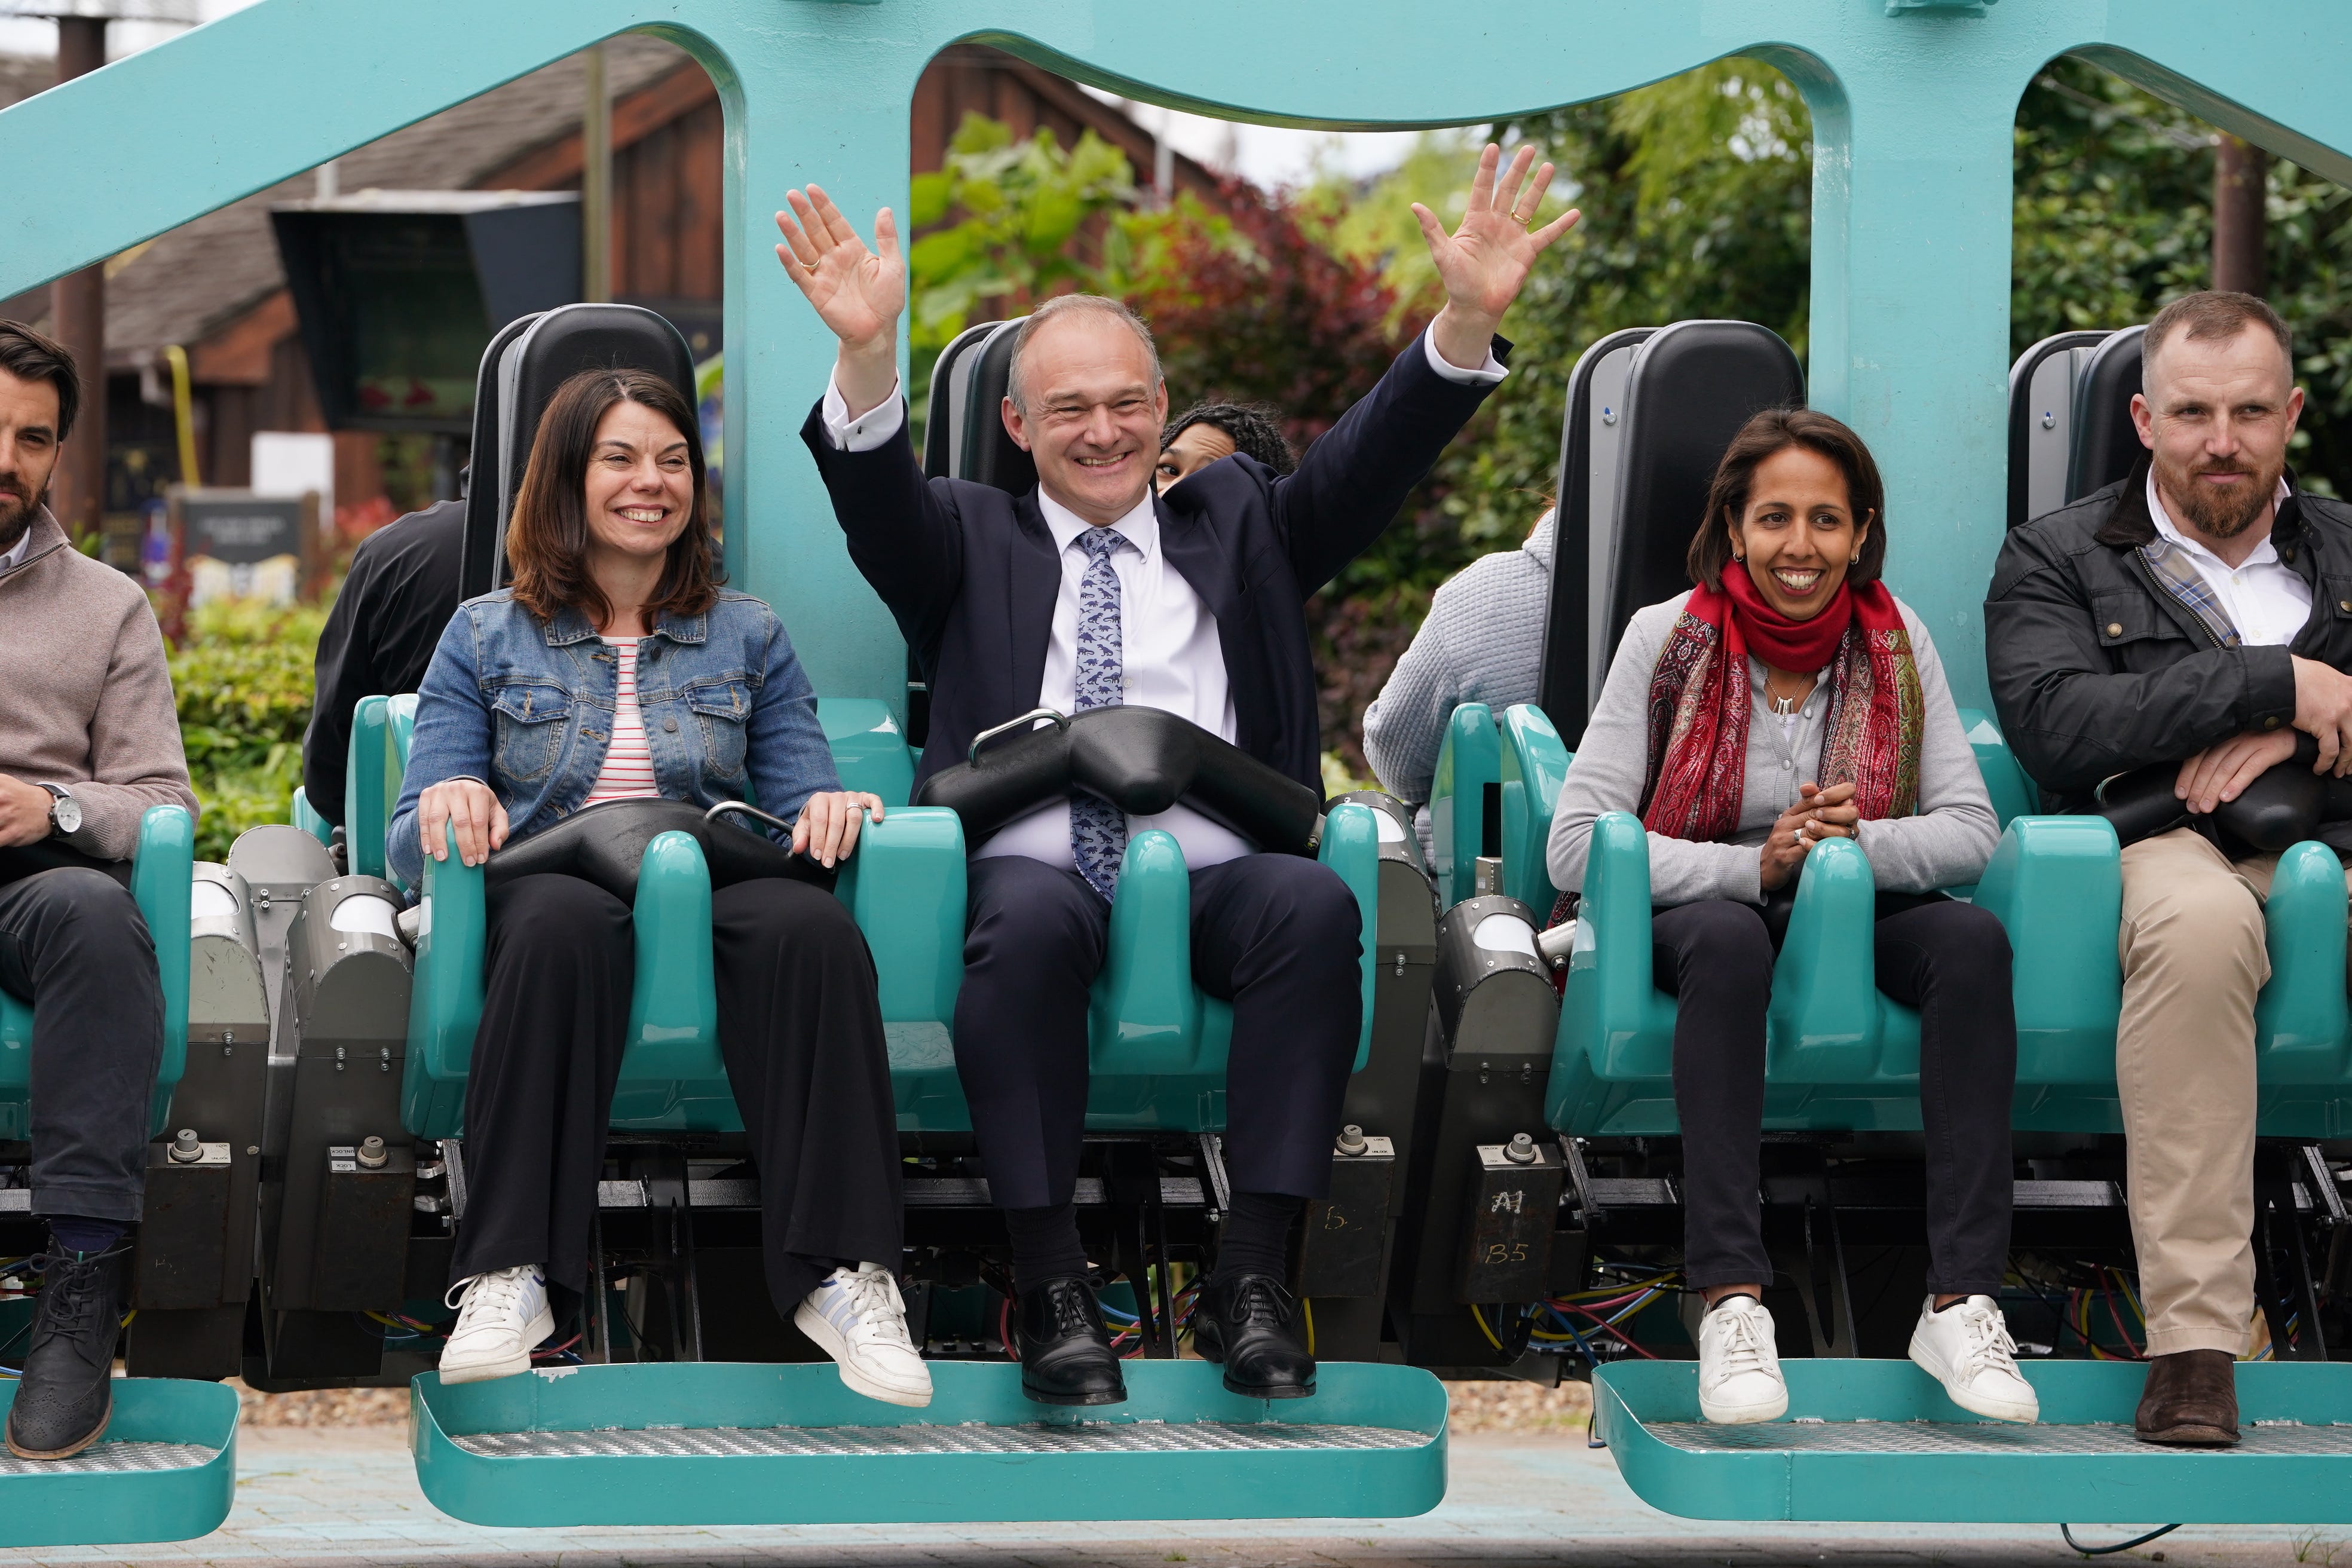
(1003, 224)
(242, 678)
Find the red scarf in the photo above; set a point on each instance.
(1700, 700)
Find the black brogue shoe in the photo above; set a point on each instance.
(1065, 1355)
(1251, 1324)
(66, 1393)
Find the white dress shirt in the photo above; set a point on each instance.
(16, 552)
(1169, 654)
(2268, 602)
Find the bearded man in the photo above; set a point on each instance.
(88, 739)
(2199, 613)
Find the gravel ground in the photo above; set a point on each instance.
(1471, 1407)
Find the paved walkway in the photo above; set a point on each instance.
(348, 1498)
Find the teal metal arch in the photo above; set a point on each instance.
(1913, 101)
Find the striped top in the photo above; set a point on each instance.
(629, 772)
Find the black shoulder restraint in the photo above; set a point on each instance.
(605, 845)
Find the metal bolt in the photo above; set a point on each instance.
(1351, 1139)
(253, 1148)
(1520, 1149)
(372, 1155)
(339, 1058)
(2050, 420)
(185, 1148)
(384, 1058)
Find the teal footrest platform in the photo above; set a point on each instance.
(165, 1471)
(1878, 1440)
(719, 1443)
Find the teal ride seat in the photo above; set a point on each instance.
(1158, 1041)
(162, 871)
(1840, 1056)
(305, 815)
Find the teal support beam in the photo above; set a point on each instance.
(1913, 113)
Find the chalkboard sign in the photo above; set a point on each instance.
(242, 529)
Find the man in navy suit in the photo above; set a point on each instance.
(1086, 591)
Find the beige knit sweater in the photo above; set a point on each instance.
(85, 698)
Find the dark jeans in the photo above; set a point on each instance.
(74, 945)
(800, 1027)
(1948, 959)
(1276, 935)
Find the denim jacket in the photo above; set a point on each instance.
(527, 709)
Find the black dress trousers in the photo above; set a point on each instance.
(801, 1028)
(1278, 936)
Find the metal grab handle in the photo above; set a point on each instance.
(742, 808)
(1060, 722)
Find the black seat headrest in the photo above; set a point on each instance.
(1573, 660)
(988, 455)
(950, 389)
(2041, 422)
(527, 361)
(1688, 389)
(1141, 760)
(2107, 444)
(605, 844)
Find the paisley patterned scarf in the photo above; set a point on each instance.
(1700, 700)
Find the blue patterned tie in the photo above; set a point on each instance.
(1098, 829)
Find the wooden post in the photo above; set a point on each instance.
(2241, 218)
(78, 320)
(596, 181)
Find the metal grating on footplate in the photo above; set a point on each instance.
(113, 1458)
(1085, 1437)
(1945, 1438)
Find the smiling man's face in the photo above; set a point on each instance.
(1090, 413)
(2216, 419)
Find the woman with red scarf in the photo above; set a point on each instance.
(1786, 700)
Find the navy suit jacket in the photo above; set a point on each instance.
(970, 572)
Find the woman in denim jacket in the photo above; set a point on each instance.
(614, 669)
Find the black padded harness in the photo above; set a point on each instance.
(1141, 760)
(605, 844)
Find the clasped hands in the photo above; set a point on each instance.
(2323, 710)
(1817, 814)
(826, 829)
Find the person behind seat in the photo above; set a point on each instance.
(1788, 700)
(1482, 641)
(2197, 613)
(1210, 432)
(397, 599)
(1088, 591)
(89, 738)
(615, 669)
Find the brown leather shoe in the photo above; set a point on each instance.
(2190, 1400)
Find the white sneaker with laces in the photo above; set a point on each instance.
(503, 1316)
(1740, 1364)
(857, 1317)
(1967, 1348)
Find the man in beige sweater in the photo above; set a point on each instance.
(88, 739)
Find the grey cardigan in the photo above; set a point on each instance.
(1945, 844)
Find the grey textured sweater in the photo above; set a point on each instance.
(1481, 642)
(85, 699)
(1946, 843)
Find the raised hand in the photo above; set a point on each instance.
(857, 292)
(1484, 262)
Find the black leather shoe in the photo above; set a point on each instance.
(67, 1390)
(1251, 1324)
(1065, 1355)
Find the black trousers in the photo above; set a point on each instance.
(800, 1030)
(1948, 959)
(1276, 935)
(73, 943)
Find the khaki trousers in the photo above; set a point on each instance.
(2194, 957)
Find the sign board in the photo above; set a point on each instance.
(238, 544)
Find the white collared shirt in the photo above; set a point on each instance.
(2268, 602)
(1170, 652)
(14, 555)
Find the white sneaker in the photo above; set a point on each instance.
(1738, 1364)
(504, 1316)
(1967, 1348)
(858, 1318)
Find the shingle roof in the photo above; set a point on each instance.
(195, 278)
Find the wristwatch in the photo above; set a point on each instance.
(65, 812)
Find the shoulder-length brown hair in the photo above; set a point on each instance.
(1777, 430)
(548, 537)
